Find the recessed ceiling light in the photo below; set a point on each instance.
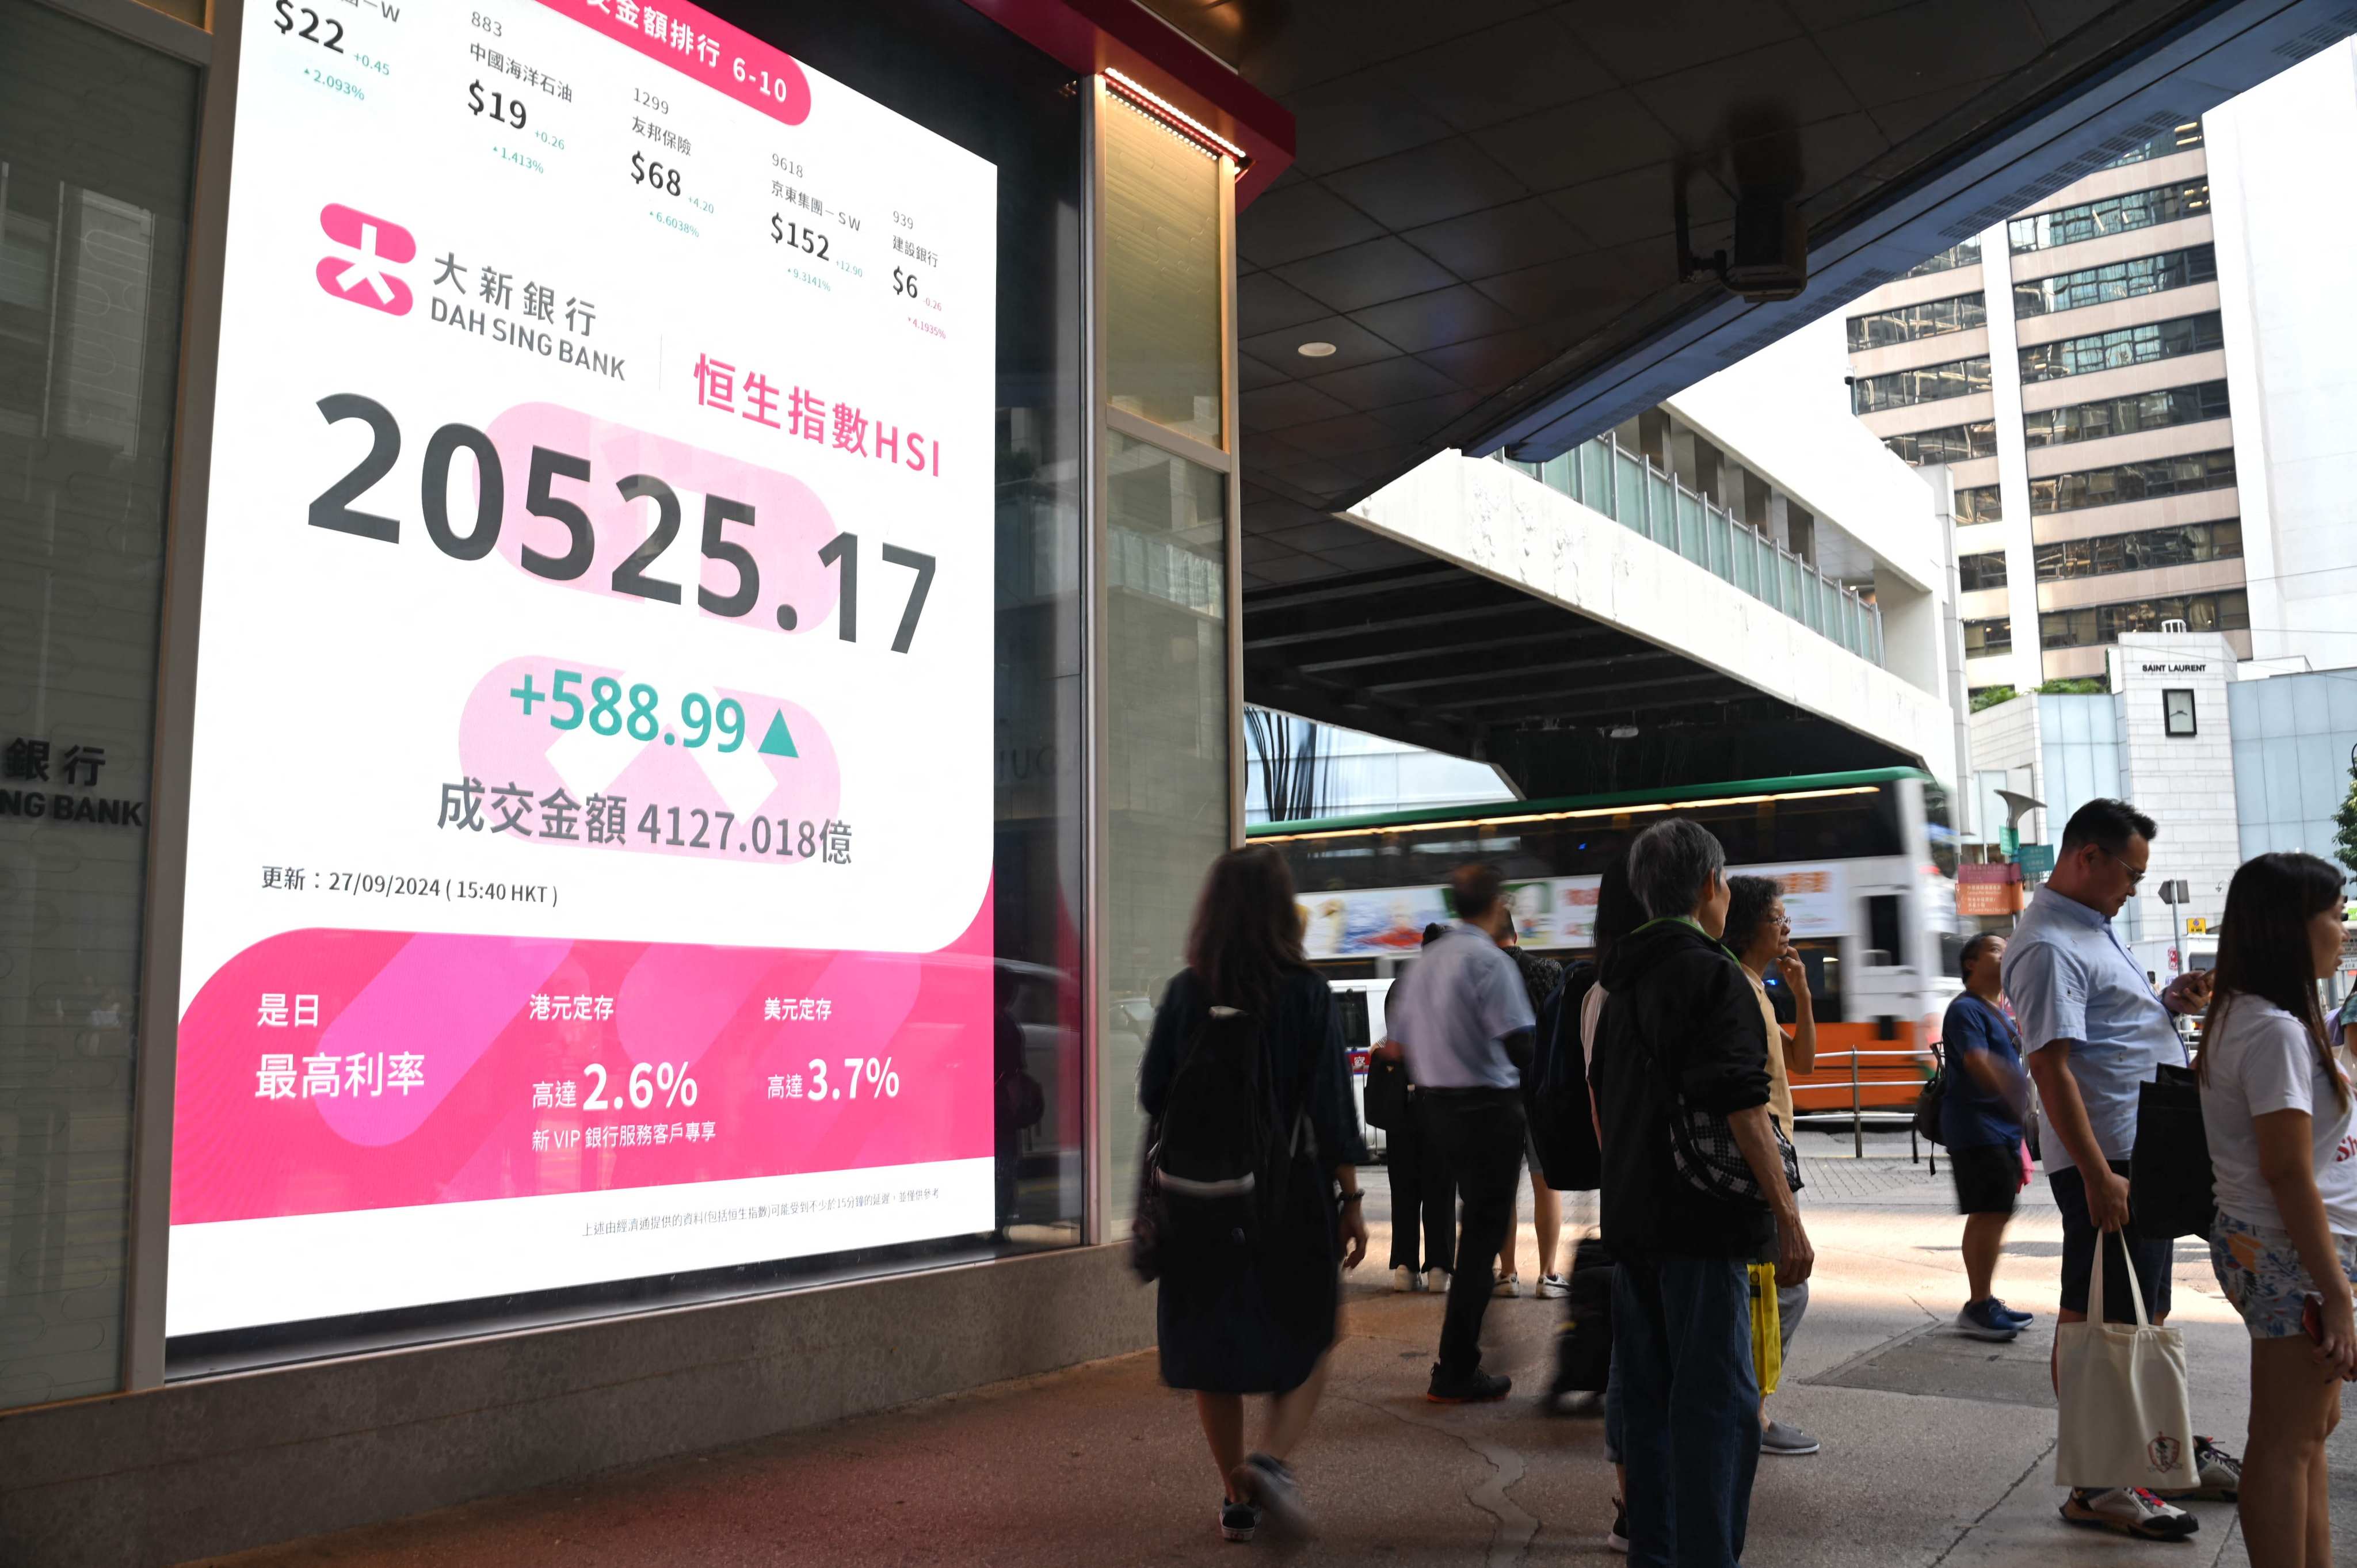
(1316, 350)
(1622, 732)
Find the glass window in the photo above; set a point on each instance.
(2119, 279)
(1166, 748)
(1979, 504)
(2182, 546)
(1948, 444)
(92, 227)
(1967, 254)
(2123, 346)
(1983, 637)
(1162, 274)
(2123, 415)
(2134, 482)
(2111, 215)
(1985, 570)
(1930, 319)
(2182, 139)
(1927, 383)
(2100, 624)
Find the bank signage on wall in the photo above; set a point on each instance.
(598, 560)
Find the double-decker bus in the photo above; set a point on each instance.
(1867, 862)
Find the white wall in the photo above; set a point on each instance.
(2283, 158)
(1510, 527)
(2185, 783)
(1785, 411)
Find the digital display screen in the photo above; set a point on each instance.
(589, 869)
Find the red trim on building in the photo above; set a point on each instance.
(1087, 36)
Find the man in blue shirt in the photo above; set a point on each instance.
(2094, 1032)
(1980, 1122)
(1465, 1023)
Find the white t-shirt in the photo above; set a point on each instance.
(2262, 1061)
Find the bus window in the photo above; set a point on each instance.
(1882, 942)
(1353, 1005)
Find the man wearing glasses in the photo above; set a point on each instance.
(2094, 1032)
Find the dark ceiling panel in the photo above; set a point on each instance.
(1290, 402)
(1427, 185)
(1361, 275)
(1353, 345)
(1267, 303)
(1581, 141)
(1252, 373)
(1639, 41)
(1430, 320)
(1482, 244)
(1384, 383)
(1529, 64)
(1299, 218)
(1710, 104)
(1914, 50)
(1358, 118)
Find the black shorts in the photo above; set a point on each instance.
(1988, 1179)
(2152, 1259)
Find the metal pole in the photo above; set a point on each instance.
(1857, 1126)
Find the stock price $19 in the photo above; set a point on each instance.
(498, 106)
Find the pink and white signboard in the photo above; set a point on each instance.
(589, 869)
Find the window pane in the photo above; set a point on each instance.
(1162, 276)
(1166, 748)
(92, 230)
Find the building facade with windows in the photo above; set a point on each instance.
(2139, 387)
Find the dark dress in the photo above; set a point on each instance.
(1261, 1328)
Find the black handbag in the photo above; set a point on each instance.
(1928, 1103)
(1386, 1094)
(2172, 1191)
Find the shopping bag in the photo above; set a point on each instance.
(2125, 1418)
(1767, 1328)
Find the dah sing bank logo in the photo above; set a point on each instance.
(365, 279)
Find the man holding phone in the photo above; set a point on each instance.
(2094, 1032)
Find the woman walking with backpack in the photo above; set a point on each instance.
(1247, 1054)
(2275, 1105)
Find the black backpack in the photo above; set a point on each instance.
(1555, 1091)
(1216, 1162)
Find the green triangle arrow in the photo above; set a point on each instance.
(780, 741)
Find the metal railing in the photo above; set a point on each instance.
(1630, 489)
(1859, 1114)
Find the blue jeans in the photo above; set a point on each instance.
(1690, 1408)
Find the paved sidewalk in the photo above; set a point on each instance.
(1937, 1449)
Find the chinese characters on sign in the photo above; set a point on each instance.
(29, 760)
(361, 1074)
(839, 427)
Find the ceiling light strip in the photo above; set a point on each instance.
(1629, 811)
(1186, 124)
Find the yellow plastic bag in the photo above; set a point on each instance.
(1767, 1328)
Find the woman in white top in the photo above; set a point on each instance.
(2275, 1104)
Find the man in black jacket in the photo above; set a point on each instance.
(1681, 1030)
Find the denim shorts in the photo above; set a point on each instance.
(2260, 1271)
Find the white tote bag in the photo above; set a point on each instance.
(2125, 1419)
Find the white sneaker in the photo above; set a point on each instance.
(1437, 1281)
(2131, 1511)
(1553, 1287)
(1506, 1284)
(1404, 1278)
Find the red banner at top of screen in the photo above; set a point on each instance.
(702, 47)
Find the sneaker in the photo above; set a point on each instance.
(1617, 1539)
(1405, 1279)
(1238, 1522)
(2131, 1511)
(1436, 1281)
(2024, 1318)
(2220, 1475)
(1506, 1284)
(1268, 1485)
(1476, 1387)
(1986, 1320)
(1553, 1287)
(1789, 1442)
